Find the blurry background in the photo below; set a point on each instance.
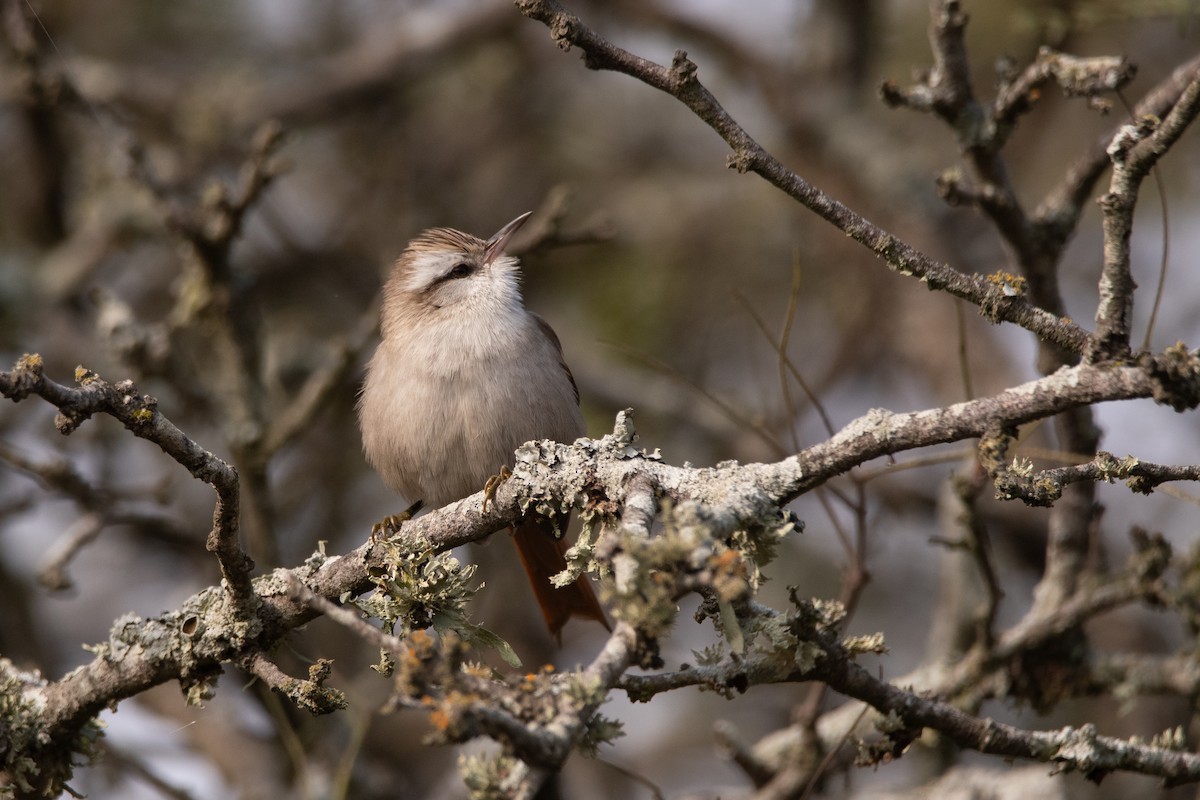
(655, 262)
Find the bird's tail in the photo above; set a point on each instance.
(542, 556)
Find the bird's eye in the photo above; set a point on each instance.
(461, 270)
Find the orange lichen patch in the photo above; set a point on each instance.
(1010, 283)
(729, 575)
(440, 720)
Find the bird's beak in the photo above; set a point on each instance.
(494, 247)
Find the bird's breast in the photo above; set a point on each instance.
(444, 409)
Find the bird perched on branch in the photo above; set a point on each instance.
(464, 375)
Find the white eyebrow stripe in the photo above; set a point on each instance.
(426, 268)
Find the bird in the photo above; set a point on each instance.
(462, 376)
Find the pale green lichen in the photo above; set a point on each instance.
(829, 613)
(871, 643)
(198, 690)
(490, 777)
(760, 543)
(386, 665)
(731, 628)
(1171, 739)
(317, 559)
(1021, 467)
(419, 588)
(642, 594)
(711, 655)
(807, 655)
(547, 501)
(776, 634)
(584, 689)
(28, 758)
(580, 557)
(278, 583)
(891, 723)
(312, 695)
(601, 730)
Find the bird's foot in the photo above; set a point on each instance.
(389, 526)
(493, 483)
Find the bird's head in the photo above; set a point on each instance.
(447, 271)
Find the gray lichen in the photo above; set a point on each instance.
(30, 762)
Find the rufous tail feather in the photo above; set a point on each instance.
(542, 556)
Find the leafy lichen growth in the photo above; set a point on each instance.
(312, 695)
(1176, 376)
(807, 654)
(490, 777)
(872, 643)
(30, 362)
(581, 556)
(645, 573)
(1171, 739)
(1021, 467)
(32, 765)
(601, 730)
(710, 656)
(891, 723)
(198, 689)
(798, 634)
(420, 588)
(317, 559)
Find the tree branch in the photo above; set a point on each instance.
(680, 81)
(139, 414)
(1134, 151)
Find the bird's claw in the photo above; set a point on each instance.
(389, 526)
(493, 483)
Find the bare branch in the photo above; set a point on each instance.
(139, 414)
(1134, 151)
(680, 81)
(53, 572)
(982, 132)
(1058, 213)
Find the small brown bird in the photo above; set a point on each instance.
(464, 375)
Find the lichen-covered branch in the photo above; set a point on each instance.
(310, 695)
(902, 712)
(191, 643)
(1020, 481)
(1036, 243)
